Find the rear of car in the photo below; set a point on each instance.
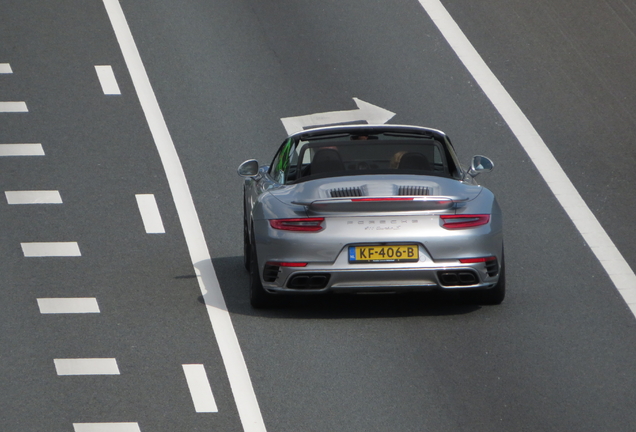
(353, 210)
(363, 246)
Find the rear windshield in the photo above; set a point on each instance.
(325, 159)
(302, 160)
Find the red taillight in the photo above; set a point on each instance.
(464, 221)
(287, 264)
(476, 260)
(297, 224)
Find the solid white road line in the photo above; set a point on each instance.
(150, 213)
(242, 389)
(593, 233)
(33, 197)
(62, 305)
(21, 150)
(5, 68)
(200, 389)
(13, 107)
(86, 366)
(106, 427)
(51, 249)
(107, 80)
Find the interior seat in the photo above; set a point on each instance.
(414, 161)
(326, 160)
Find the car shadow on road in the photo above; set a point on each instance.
(234, 282)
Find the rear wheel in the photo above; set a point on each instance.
(259, 298)
(247, 247)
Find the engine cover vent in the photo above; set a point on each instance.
(346, 192)
(412, 190)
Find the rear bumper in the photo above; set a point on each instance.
(328, 268)
(324, 279)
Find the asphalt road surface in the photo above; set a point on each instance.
(106, 318)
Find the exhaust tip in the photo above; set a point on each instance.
(309, 281)
(458, 278)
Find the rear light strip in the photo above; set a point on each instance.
(298, 224)
(381, 199)
(464, 221)
(286, 264)
(476, 260)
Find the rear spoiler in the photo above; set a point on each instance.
(382, 204)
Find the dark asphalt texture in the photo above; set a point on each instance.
(556, 355)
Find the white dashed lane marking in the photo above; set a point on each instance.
(51, 249)
(106, 427)
(13, 107)
(86, 366)
(33, 197)
(107, 80)
(150, 213)
(200, 389)
(233, 360)
(68, 305)
(65, 366)
(21, 150)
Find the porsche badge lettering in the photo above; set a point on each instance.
(383, 222)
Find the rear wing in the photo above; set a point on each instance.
(382, 204)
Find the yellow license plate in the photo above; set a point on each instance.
(383, 253)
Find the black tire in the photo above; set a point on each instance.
(259, 298)
(494, 295)
(247, 247)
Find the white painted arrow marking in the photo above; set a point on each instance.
(370, 113)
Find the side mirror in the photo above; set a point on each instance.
(480, 164)
(248, 169)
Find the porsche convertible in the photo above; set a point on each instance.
(370, 209)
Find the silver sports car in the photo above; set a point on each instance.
(370, 209)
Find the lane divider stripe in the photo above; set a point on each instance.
(51, 249)
(233, 360)
(33, 197)
(106, 427)
(200, 389)
(63, 305)
(593, 233)
(86, 366)
(21, 150)
(107, 80)
(150, 213)
(13, 107)
(5, 68)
